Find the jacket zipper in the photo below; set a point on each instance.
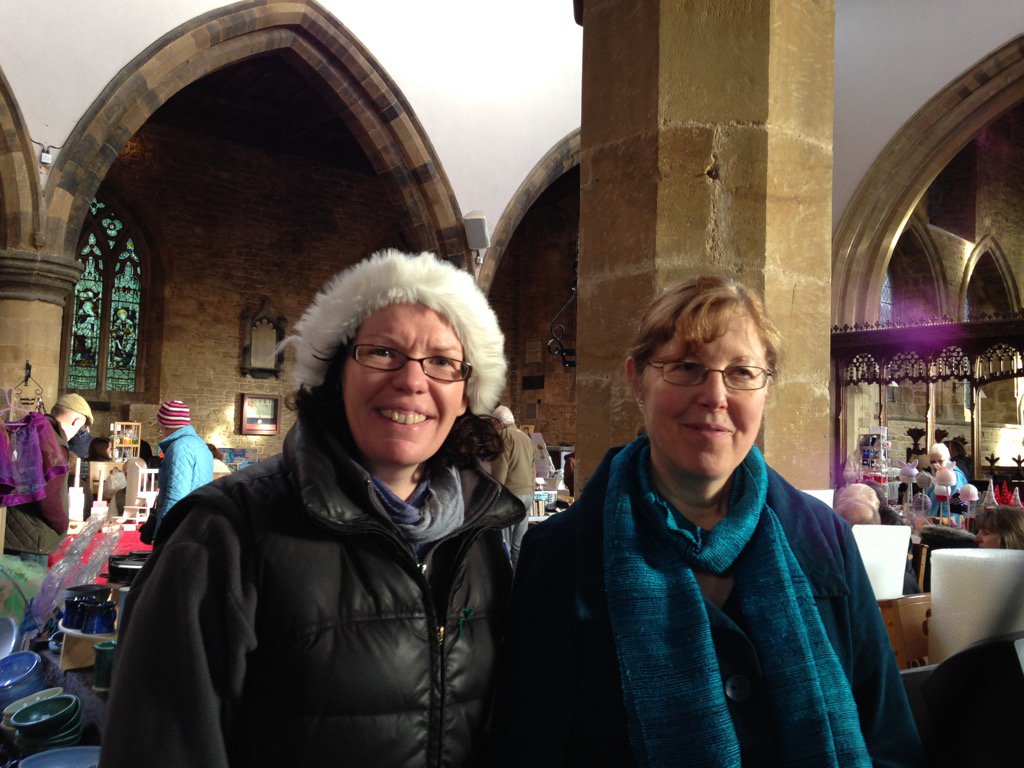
(420, 569)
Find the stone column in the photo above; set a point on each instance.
(707, 147)
(33, 286)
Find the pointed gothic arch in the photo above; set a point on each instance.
(881, 207)
(19, 183)
(332, 60)
(558, 160)
(990, 245)
(919, 241)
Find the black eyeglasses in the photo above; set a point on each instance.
(689, 374)
(387, 359)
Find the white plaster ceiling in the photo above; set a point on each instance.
(498, 84)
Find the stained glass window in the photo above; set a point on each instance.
(107, 306)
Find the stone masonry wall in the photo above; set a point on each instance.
(530, 286)
(233, 225)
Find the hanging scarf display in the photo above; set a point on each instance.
(33, 456)
(672, 688)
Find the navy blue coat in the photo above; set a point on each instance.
(560, 697)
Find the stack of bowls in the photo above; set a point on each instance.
(6, 728)
(21, 674)
(47, 724)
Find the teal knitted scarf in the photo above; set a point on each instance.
(672, 687)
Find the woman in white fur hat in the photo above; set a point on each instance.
(340, 604)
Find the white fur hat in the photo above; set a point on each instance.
(392, 277)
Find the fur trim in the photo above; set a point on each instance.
(392, 277)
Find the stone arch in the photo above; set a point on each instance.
(19, 182)
(880, 208)
(332, 60)
(989, 245)
(916, 240)
(558, 160)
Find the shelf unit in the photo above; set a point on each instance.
(127, 438)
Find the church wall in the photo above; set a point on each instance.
(235, 224)
(531, 284)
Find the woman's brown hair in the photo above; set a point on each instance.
(1006, 521)
(697, 310)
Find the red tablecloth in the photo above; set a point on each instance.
(129, 542)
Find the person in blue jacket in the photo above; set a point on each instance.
(187, 462)
(938, 457)
(693, 607)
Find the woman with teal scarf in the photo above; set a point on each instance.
(693, 609)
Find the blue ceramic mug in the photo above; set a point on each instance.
(99, 618)
(75, 610)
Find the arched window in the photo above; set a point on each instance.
(106, 310)
(885, 313)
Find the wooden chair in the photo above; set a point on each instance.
(919, 562)
(148, 489)
(906, 621)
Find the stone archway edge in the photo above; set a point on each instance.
(882, 204)
(561, 158)
(379, 117)
(19, 183)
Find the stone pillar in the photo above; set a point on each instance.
(33, 286)
(707, 147)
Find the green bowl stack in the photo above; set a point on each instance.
(47, 724)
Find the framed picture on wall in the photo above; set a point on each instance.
(261, 414)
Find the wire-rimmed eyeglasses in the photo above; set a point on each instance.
(436, 367)
(686, 373)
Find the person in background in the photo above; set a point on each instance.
(187, 464)
(146, 454)
(692, 607)
(861, 504)
(114, 482)
(79, 444)
(887, 513)
(342, 603)
(1001, 527)
(857, 504)
(959, 456)
(219, 467)
(569, 475)
(938, 457)
(37, 528)
(515, 469)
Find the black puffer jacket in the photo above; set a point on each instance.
(285, 622)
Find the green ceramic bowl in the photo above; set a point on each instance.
(48, 716)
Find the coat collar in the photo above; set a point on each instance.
(337, 490)
(186, 431)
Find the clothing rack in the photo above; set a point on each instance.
(23, 398)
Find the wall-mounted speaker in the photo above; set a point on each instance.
(476, 230)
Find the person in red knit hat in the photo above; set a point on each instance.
(187, 462)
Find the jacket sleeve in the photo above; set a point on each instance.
(499, 464)
(181, 658)
(885, 716)
(532, 718)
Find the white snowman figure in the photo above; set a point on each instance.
(969, 494)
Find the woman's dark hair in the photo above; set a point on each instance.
(471, 438)
(98, 449)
